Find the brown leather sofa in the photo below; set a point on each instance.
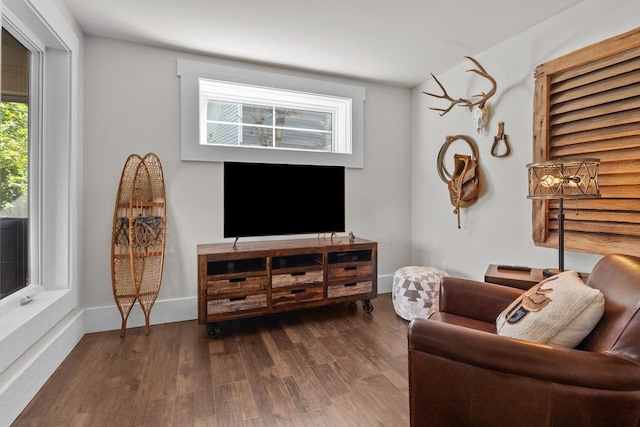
(461, 373)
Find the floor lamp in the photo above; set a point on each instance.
(559, 179)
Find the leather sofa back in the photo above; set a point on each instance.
(618, 277)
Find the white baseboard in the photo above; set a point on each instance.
(108, 318)
(385, 284)
(36, 366)
(99, 319)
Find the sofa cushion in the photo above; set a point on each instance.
(560, 311)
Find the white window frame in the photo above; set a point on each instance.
(338, 107)
(199, 80)
(36, 71)
(54, 188)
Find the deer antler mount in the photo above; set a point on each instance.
(479, 109)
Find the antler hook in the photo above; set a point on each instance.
(483, 73)
(463, 101)
(446, 96)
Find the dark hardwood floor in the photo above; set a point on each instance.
(328, 366)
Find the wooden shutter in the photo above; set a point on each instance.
(587, 104)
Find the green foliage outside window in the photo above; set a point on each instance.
(13, 152)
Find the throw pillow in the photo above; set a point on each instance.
(560, 310)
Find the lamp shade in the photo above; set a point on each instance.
(564, 178)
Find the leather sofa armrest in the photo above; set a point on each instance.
(475, 300)
(605, 371)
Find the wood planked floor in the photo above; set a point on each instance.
(327, 366)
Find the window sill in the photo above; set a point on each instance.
(22, 326)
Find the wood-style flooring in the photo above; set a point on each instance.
(327, 366)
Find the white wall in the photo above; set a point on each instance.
(497, 229)
(132, 105)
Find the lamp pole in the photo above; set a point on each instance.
(561, 236)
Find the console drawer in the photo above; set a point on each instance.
(351, 288)
(294, 296)
(297, 278)
(236, 304)
(362, 270)
(237, 284)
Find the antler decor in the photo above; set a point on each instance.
(482, 112)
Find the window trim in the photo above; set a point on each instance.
(190, 73)
(21, 327)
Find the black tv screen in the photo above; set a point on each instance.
(275, 199)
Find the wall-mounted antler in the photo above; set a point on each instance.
(462, 101)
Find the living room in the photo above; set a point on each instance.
(127, 98)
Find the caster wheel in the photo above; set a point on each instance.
(367, 306)
(213, 330)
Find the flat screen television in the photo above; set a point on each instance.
(276, 199)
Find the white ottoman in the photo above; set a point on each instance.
(416, 291)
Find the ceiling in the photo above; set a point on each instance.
(394, 42)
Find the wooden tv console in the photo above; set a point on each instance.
(256, 278)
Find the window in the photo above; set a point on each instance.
(53, 189)
(587, 104)
(14, 170)
(234, 114)
(251, 116)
